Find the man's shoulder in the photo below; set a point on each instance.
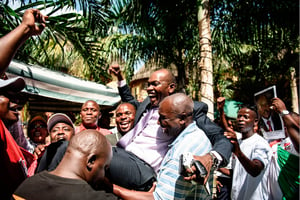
(104, 131)
(200, 106)
(258, 141)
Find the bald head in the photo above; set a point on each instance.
(175, 113)
(90, 113)
(87, 156)
(167, 74)
(89, 141)
(161, 83)
(91, 102)
(180, 103)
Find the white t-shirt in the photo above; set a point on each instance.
(245, 186)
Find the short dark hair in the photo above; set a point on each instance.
(251, 107)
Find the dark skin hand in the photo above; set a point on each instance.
(33, 23)
(253, 167)
(38, 151)
(127, 194)
(291, 125)
(115, 69)
(206, 161)
(220, 107)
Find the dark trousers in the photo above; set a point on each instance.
(129, 171)
(225, 191)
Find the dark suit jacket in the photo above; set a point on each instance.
(276, 122)
(214, 133)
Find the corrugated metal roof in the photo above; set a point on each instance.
(43, 82)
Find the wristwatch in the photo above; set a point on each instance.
(284, 112)
(215, 161)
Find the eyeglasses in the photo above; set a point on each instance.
(180, 116)
(164, 119)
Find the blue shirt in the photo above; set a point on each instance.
(170, 184)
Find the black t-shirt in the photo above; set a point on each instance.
(47, 186)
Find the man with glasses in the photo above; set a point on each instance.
(146, 142)
(176, 120)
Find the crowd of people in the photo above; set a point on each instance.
(144, 156)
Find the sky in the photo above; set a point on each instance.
(17, 4)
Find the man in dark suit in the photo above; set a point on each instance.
(268, 119)
(146, 140)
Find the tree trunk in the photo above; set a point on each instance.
(295, 103)
(205, 64)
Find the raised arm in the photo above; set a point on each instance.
(11, 42)
(124, 89)
(253, 167)
(223, 121)
(291, 125)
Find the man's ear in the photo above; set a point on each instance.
(182, 118)
(90, 162)
(172, 88)
(255, 122)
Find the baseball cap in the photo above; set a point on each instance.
(59, 118)
(15, 84)
(38, 118)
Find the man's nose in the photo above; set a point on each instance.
(150, 87)
(89, 111)
(61, 131)
(123, 116)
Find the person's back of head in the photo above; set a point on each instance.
(87, 156)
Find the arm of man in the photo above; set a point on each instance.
(124, 90)
(291, 125)
(292, 130)
(223, 121)
(214, 133)
(225, 171)
(11, 42)
(253, 167)
(132, 194)
(126, 95)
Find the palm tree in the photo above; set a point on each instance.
(205, 64)
(259, 42)
(69, 36)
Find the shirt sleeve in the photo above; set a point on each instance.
(122, 83)
(262, 152)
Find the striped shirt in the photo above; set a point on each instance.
(170, 184)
